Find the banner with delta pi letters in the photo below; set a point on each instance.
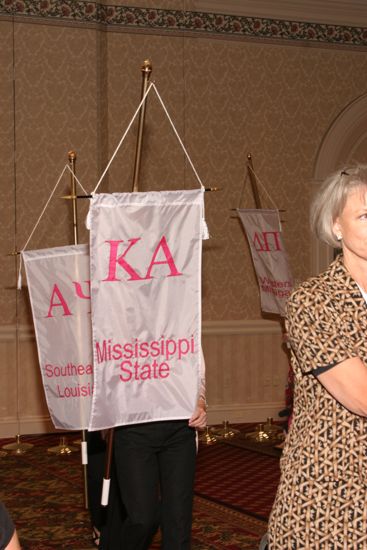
(59, 290)
(270, 259)
(146, 305)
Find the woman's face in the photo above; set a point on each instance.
(352, 225)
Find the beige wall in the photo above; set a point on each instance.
(76, 86)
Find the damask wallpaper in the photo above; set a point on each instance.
(71, 79)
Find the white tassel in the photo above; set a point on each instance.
(204, 230)
(88, 220)
(19, 283)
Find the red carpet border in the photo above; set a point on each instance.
(241, 479)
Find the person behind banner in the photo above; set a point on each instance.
(321, 500)
(8, 535)
(154, 464)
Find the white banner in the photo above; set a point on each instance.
(146, 306)
(59, 289)
(270, 259)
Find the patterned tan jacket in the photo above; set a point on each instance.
(326, 323)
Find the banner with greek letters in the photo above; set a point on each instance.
(59, 290)
(146, 305)
(270, 259)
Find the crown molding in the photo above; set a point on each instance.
(283, 21)
(336, 12)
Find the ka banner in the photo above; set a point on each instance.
(270, 259)
(146, 305)
(59, 289)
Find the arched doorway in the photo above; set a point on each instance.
(344, 143)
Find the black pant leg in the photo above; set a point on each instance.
(112, 529)
(96, 447)
(138, 479)
(177, 471)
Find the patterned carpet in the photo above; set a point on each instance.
(44, 492)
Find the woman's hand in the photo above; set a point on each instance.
(198, 419)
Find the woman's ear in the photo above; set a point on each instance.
(337, 229)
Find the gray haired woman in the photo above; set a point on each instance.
(321, 502)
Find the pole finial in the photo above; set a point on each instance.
(146, 66)
(71, 156)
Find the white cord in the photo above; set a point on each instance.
(178, 137)
(151, 85)
(122, 139)
(66, 167)
(44, 208)
(72, 173)
(258, 179)
(271, 200)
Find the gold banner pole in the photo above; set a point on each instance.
(72, 162)
(268, 432)
(63, 448)
(226, 432)
(146, 70)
